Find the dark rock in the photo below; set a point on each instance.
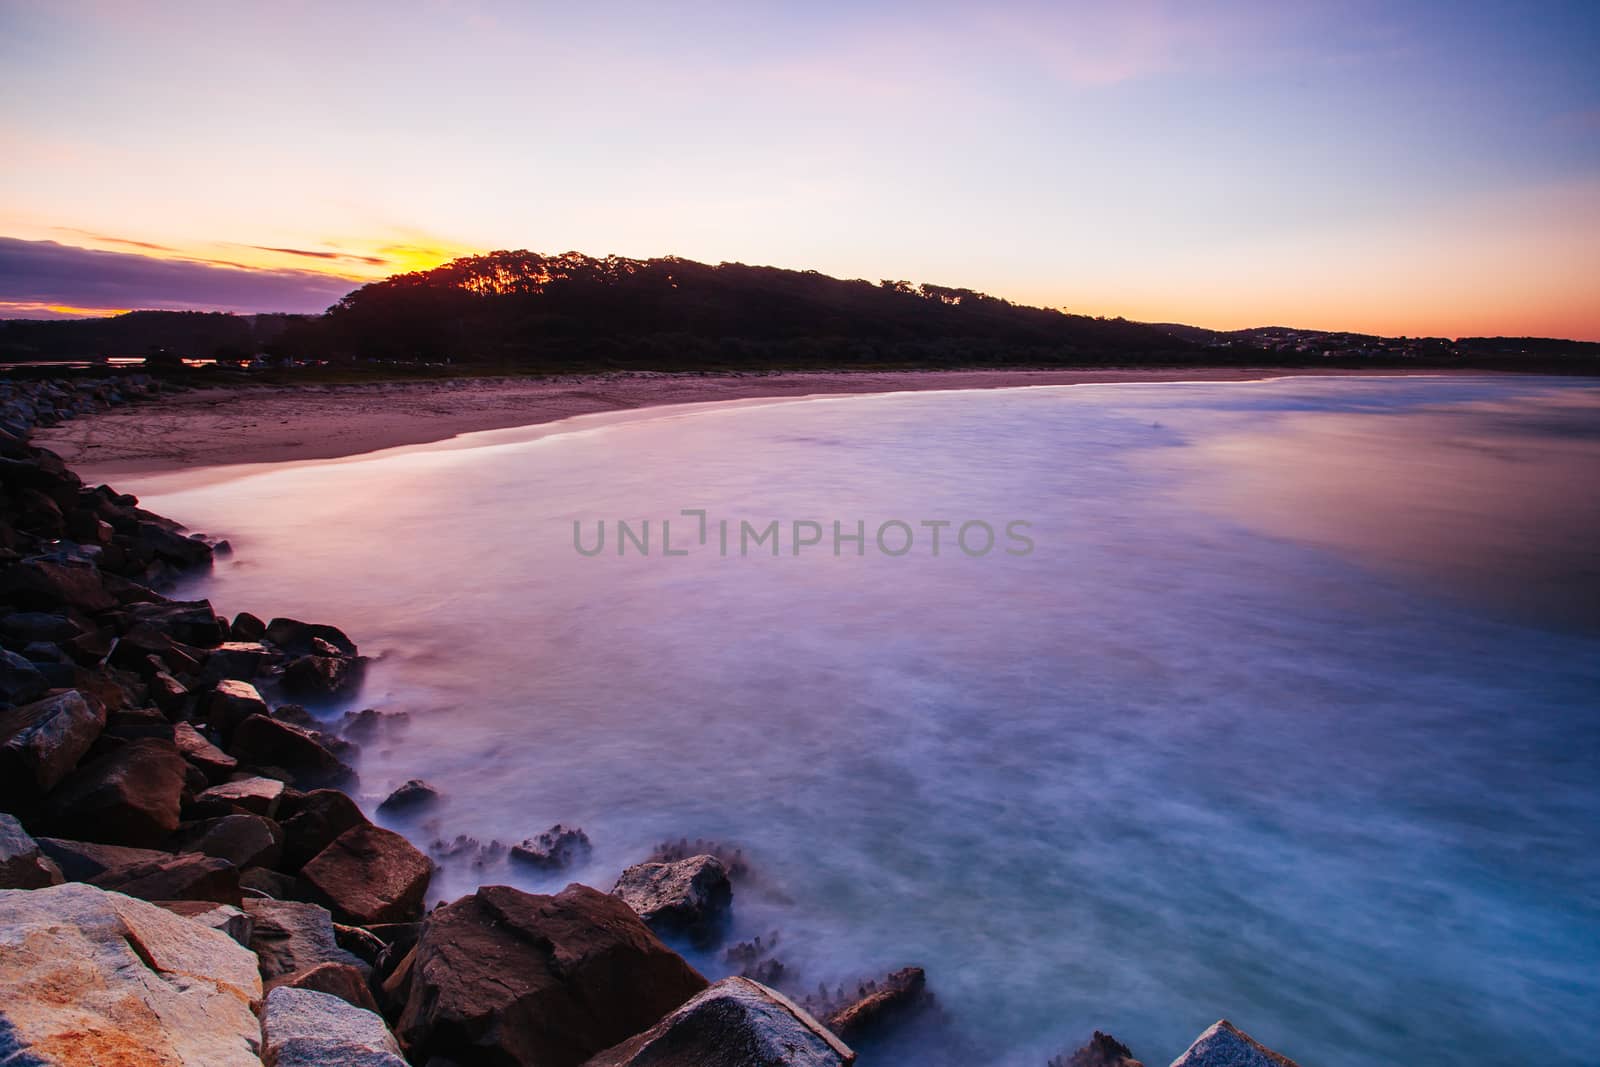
(189, 622)
(295, 637)
(26, 626)
(262, 741)
(240, 660)
(879, 1006)
(246, 627)
(503, 976)
(311, 1028)
(214, 763)
(336, 979)
(254, 796)
(22, 864)
(1225, 1045)
(369, 875)
(290, 937)
(319, 817)
(411, 796)
(130, 796)
(231, 703)
(361, 942)
(558, 847)
(139, 722)
(1103, 1050)
(689, 896)
(187, 876)
(295, 715)
(20, 679)
(735, 1023)
(82, 861)
(242, 840)
(369, 723)
(169, 694)
(41, 743)
(265, 882)
(47, 585)
(732, 856)
(320, 677)
(172, 547)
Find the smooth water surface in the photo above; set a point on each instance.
(1291, 716)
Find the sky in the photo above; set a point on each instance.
(1398, 168)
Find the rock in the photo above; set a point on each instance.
(308, 1028)
(1103, 1050)
(214, 763)
(82, 861)
(1225, 1045)
(295, 637)
(359, 941)
(558, 847)
(20, 680)
(295, 715)
(368, 723)
(262, 741)
(689, 896)
(28, 626)
(256, 796)
(230, 703)
(320, 677)
(139, 722)
(319, 817)
(504, 976)
(290, 937)
(901, 994)
(130, 796)
(91, 977)
(40, 743)
(189, 622)
(242, 840)
(336, 979)
(48, 585)
(224, 917)
(412, 795)
(263, 882)
(188, 876)
(22, 864)
(169, 694)
(369, 875)
(735, 1023)
(246, 627)
(240, 660)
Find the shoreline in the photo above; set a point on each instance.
(248, 425)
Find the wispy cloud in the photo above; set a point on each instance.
(48, 274)
(375, 261)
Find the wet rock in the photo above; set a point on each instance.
(188, 622)
(47, 585)
(295, 637)
(1103, 1050)
(370, 723)
(40, 743)
(691, 895)
(558, 847)
(503, 976)
(130, 796)
(20, 680)
(254, 796)
(289, 936)
(261, 741)
(214, 763)
(878, 1006)
(230, 703)
(369, 875)
(246, 627)
(295, 715)
(754, 959)
(732, 857)
(336, 979)
(239, 660)
(320, 677)
(91, 977)
(1225, 1045)
(187, 876)
(308, 1028)
(242, 840)
(318, 817)
(22, 864)
(734, 1023)
(223, 917)
(412, 796)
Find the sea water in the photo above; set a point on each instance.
(1291, 714)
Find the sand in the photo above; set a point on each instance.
(269, 424)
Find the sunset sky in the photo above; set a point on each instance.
(1402, 168)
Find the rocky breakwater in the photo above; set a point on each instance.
(183, 879)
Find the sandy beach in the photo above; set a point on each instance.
(267, 424)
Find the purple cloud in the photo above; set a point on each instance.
(44, 272)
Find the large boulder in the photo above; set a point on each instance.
(289, 936)
(307, 1028)
(256, 796)
(299, 638)
(412, 795)
(507, 977)
(50, 584)
(1225, 1045)
(22, 864)
(343, 980)
(735, 1023)
(129, 796)
(242, 840)
(230, 703)
(321, 678)
(262, 741)
(224, 917)
(370, 875)
(91, 977)
(82, 861)
(20, 680)
(189, 876)
(212, 762)
(41, 742)
(318, 817)
(690, 896)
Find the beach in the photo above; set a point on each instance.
(267, 424)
